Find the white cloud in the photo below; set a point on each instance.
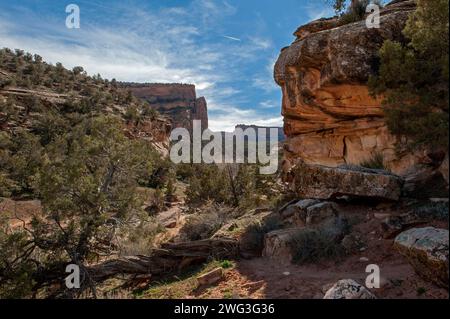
(264, 80)
(269, 104)
(144, 46)
(228, 122)
(261, 43)
(317, 10)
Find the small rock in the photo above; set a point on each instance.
(363, 259)
(210, 278)
(427, 251)
(381, 216)
(348, 289)
(171, 224)
(286, 273)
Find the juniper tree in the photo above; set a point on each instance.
(413, 78)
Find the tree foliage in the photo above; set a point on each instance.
(75, 158)
(413, 78)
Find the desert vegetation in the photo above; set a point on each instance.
(85, 179)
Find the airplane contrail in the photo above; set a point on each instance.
(232, 38)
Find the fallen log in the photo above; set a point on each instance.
(171, 258)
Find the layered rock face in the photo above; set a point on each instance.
(320, 182)
(177, 101)
(330, 118)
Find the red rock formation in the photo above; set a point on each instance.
(330, 118)
(178, 101)
(201, 112)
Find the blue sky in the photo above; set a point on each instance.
(227, 48)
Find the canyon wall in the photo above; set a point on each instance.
(329, 116)
(177, 101)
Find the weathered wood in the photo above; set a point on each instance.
(170, 258)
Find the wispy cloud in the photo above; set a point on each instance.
(269, 104)
(317, 10)
(264, 80)
(174, 44)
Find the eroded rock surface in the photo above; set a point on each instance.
(427, 251)
(177, 101)
(348, 289)
(330, 118)
(320, 182)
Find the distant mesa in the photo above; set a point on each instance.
(177, 101)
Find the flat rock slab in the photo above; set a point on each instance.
(348, 289)
(427, 251)
(321, 182)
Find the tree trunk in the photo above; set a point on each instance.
(171, 258)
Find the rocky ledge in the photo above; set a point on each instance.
(329, 116)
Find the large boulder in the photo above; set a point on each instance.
(277, 244)
(427, 251)
(294, 244)
(348, 289)
(320, 182)
(320, 212)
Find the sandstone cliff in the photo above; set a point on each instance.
(177, 101)
(330, 118)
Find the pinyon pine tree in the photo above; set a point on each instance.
(413, 78)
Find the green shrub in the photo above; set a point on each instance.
(311, 245)
(226, 264)
(205, 224)
(413, 79)
(357, 11)
(253, 237)
(432, 211)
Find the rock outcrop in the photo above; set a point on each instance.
(427, 251)
(177, 101)
(307, 212)
(329, 116)
(294, 244)
(320, 182)
(348, 289)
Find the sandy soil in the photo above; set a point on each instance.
(265, 278)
